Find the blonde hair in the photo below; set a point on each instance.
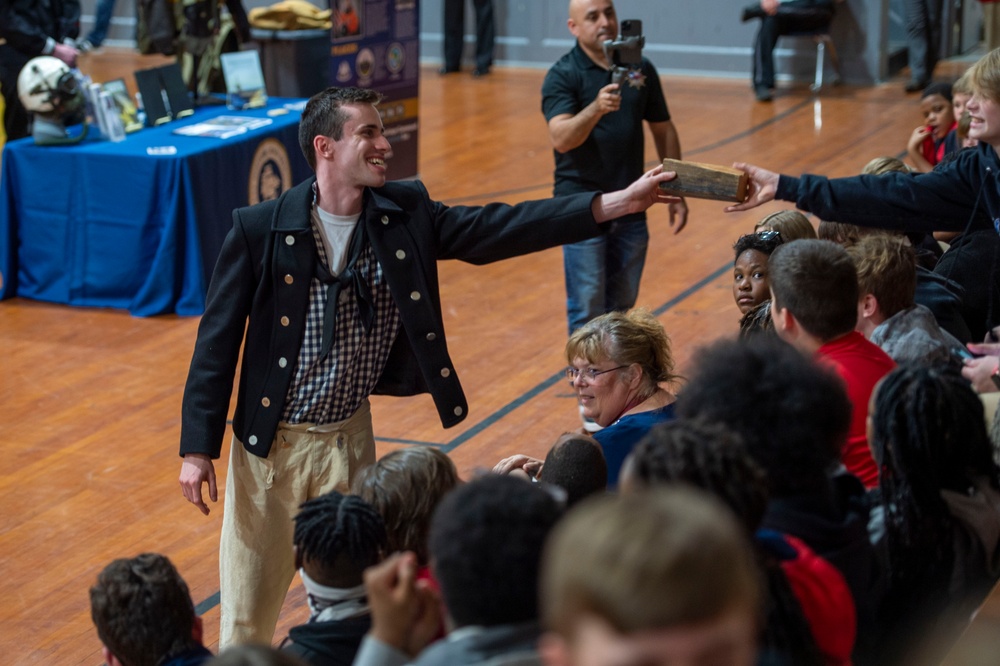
(791, 224)
(625, 338)
(984, 76)
(887, 268)
(653, 559)
(963, 86)
(881, 165)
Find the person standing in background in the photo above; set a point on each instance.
(454, 36)
(923, 41)
(596, 131)
(31, 28)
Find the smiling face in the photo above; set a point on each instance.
(358, 157)
(605, 397)
(984, 114)
(750, 284)
(592, 22)
(938, 115)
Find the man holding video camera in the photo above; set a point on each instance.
(596, 131)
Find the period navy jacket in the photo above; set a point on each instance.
(261, 285)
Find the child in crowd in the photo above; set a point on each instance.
(750, 283)
(336, 538)
(887, 313)
(929, 143)
(809, 611)
(575, 465)
(962, 132)
(814, 304)
(961, 93)
(405, 487)
(664, 576)
(791, 224)
(939, 495)
(776, 399)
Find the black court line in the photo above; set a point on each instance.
(213, 601)
(546, 384)
(500, 194)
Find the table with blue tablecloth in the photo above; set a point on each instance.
(137, 224)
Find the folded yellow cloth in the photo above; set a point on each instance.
(291, 15)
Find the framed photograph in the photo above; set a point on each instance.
(244, 78)
(127, 110)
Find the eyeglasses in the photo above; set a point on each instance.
(588, 373)
(769, 235)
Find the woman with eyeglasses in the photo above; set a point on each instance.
(621, 368)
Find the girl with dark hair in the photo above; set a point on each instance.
(939, 494)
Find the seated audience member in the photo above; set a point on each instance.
(940, 501)
(618, 363)
(962, 132)
(750, 284)
(887, 314)
(664, 576)
(793, 415)
(801, 586)
(973, 261)
(405, 487)
(144, 614)
(336, 538)
(575, 463)
(757, 321)
(486, 546)
(814, 304)
(791, 224)
(930, 142)
(254, 655)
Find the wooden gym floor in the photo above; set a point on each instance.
(90, 399)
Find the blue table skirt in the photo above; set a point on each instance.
(107, 224)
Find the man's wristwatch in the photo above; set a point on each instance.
(995, 376)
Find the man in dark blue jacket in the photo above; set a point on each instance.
(332, 292)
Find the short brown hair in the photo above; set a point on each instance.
(654, 559)
(626, 338)
(816, 281)
(887, 269)
(881, 165)
(964, 85)
(324, 116)
(405, 487)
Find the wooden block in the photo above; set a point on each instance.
(705, 181)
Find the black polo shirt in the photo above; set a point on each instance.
(612, 156)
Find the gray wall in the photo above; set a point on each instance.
(696, 37)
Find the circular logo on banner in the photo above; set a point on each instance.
(270, 171)
(365, 63)
(395, 58)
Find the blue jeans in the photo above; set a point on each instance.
(102, 21)
(603, 273)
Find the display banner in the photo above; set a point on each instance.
(376, 44)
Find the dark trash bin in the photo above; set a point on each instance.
(295, 62)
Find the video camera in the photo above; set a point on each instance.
(625, 52)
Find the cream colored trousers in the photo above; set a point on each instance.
(256, 560)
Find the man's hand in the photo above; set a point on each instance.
(635, 198)
(770, 7)
(66, 53)
(608, 99)
(530, 466)
(406, 613)
(196, 469)
(678, 215)
(762, 188)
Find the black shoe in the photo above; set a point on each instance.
(448, 70)
(751, 12)
(915, 86)
(480, 71)
(763, 93)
